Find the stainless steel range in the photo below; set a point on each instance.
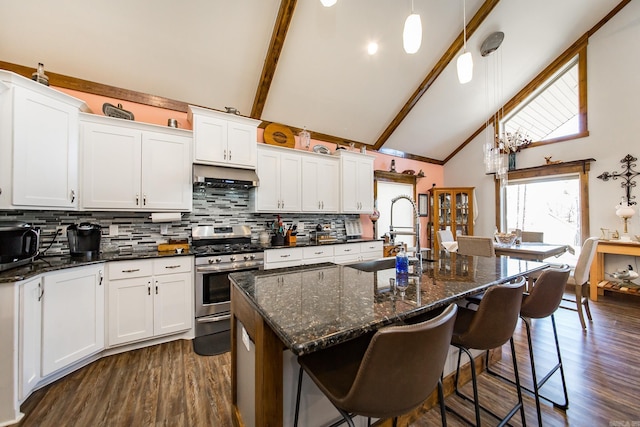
(219, 251)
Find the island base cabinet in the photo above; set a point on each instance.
(72, 317)
(315, 408)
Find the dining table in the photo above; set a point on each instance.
(532, 251)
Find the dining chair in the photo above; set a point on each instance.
(384, 377)
(542, 302)
(476, 245)
(444, 236)
(579, 280)
(489, 327)
(532, 236)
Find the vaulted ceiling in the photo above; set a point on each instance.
(304, 65)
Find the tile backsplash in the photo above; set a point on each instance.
(136, 232)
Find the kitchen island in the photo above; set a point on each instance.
(280, 314)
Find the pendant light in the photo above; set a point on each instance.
(328, 3)
(412, 34)
(465, 61)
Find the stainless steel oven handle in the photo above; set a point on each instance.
(213, 319)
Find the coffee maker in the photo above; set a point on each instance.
(84, 239)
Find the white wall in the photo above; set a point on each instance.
(614, 126)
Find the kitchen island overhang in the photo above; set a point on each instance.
(305, 309)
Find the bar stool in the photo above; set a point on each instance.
(542, 302)
(393, 374)
(491, 326)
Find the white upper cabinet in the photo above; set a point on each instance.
(356, 175)
(223, 139)
(38, 145)
(320, 176)
(134, 166)
(279, 171)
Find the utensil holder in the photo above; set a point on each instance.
(277, 240)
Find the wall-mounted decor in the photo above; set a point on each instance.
(627, 175)
(423, 204)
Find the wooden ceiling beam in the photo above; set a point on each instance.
(86, 86)
(446, 58)
(280, 28)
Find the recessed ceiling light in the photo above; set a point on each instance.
(372, 48)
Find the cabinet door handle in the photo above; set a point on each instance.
(347, 250)
(101, 277)
(322, 205)
(285, 256)
(318, 253)
(172, 266)
(318, 204)
(229, 154)
(148, 288)
(137, 199)
(133, 270)
(224, 154)
(144, 199)
(40, 292)
(73, 196)
(156, 287)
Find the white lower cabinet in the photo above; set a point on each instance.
(29, 336)
(72, 316)
(284, 257)
(149, 298)
(362, 251)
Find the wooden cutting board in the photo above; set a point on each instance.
(280, 135)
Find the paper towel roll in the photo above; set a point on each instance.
(166, 216)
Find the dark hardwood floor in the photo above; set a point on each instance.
(170, 385)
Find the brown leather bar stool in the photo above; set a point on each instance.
(393, 374)
(542, 302)
(491, 326)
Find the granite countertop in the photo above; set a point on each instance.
(59, 262)
(315, 307)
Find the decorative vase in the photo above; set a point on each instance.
(512, 161)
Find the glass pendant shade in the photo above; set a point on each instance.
(412, 34)
(328, 3)
(465, 68)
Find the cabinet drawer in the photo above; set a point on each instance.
(175, 264)
(282, 255)
(349, 249)
(311, 252)
(129, 269)
(371, 247)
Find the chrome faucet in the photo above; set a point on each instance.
(415, 231)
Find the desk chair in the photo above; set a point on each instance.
(542, 302)
(389, 376)
(580, 279)
(476, 245)
(491, 326)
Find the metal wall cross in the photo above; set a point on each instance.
(627, 175)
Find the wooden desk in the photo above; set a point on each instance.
(531, 251)
(597, 266)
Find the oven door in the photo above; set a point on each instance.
(213, 292)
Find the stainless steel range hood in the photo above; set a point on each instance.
(223, 177)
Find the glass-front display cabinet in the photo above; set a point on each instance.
(451, 209)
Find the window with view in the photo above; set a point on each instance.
(553, 107)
